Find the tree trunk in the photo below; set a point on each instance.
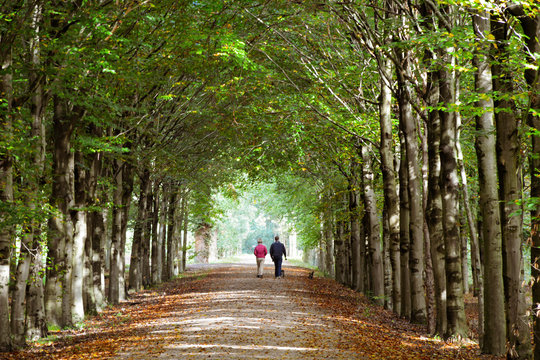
(508, 154)
(531, 28)
(6, 197)
(373, 228)
(137, 252)
(79, 218)
(202, 242)
(404, 235)
(171, 232)
(18, 296)
(162, 232)
(36, 326)
(114, 294)
(389, 180)
(434, 204)
(156, 237)
(493, 340)
(127, 191)
(355, 236)
(471, 222)
(146, 240)
(455, 308)
(60, 236)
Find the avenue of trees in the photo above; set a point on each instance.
(400, 138)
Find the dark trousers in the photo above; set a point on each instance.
(277, 265)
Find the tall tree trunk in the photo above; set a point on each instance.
(493, 340)
(127, 191)
(455, 309)
(508, 156)
(171, 232)
(60, 233)
(79, 218)
(163, 221)
(156, 237)
(182, 245)
(416, 253)
(6, 198)
(373, 228)
(531, 28)
(98, 258)
(19, 292)
(328, 233)
(471, 221)
(389, 180)
(404, 234)
(114, 294)
(36, 326)
(355, 236)
(135, 266)
(434, 204)
(146, 240)
(340, 248)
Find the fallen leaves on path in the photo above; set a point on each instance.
(225, 312)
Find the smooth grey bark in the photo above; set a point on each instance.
(389, 181)
(139, 233)
(18, 296)
(455, 307)
(471, 221)
(493, 339)
(36, 326)
(373, 228)
(416, 220)
(510, 188)
(531, 28)
(60, 229)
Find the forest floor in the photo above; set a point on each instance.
(223, 311)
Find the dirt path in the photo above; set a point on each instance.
(226, 312)
(236, 315)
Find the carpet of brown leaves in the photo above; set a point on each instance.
(225, 312)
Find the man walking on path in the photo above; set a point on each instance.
(277, 251)
(260, 253)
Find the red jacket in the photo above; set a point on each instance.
(260, 251)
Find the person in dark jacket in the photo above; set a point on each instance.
(277, 252)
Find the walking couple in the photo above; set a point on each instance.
(277, 253)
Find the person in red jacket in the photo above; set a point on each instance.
(260, 253)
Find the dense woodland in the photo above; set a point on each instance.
(401, 139)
